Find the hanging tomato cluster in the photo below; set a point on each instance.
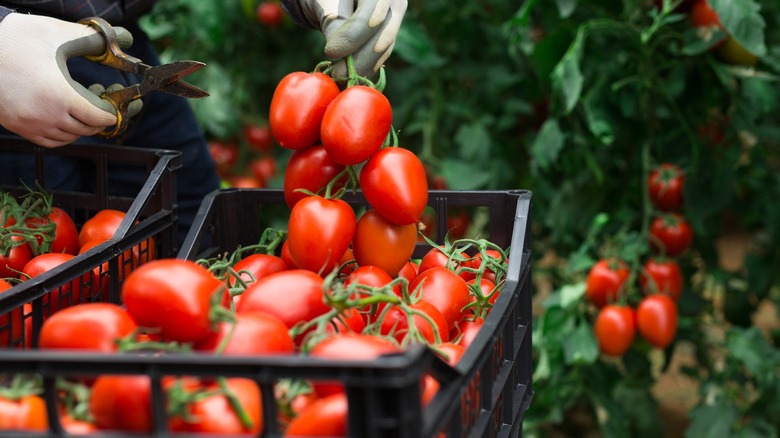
(654, 313)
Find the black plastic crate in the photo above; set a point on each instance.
(485, 395)
(149, 224)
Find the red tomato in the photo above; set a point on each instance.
(409, 271)
(371, 277)
(254, 333)
(662, 276)
(264, 169)
(356, 124)
(665, 184)
(256, 266)
(25, 413)
(458, 221)
(88, 326)
(450, 352)
(270, 13)
(351, 346)
(66, 295)
(605, 281)
(122, 402)
(66, 235)
(310, 169)
(702, 14)
(12, 262)
(300, 300)
(298, 106)
(77, 427)
(100, 274)
(465, 333)
(446, 291)
(488, 291)
(656, 317)
(175, 296)
(214, 414)
(11, 322)
(285, 255)
(224, 155)
(245, 182)
(382, 243)
(393, 182)
(670, 234)
(395, 322)
(319, 231)
(350, 320)
(325, 417)
(474, 265)
(437, 257)
(104, 224)
(615, 329)
(259, 137)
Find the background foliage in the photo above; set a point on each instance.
(577, 101)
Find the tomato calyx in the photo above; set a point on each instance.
(27, 222)
(22, 385)
(75, 399)
(138, 341)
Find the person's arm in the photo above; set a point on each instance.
(38, 99)
(4, 11)
(365, 29)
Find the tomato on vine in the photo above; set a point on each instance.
(656, 317)
(382, 243)
(665, 184)
(661, 276)
(670, 234)
(615, 329)
(394, 183)
(605, 281)
(319, 231)
(310, 169)
(298, 106)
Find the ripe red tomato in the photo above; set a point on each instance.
(215, 414)
(436, 257)
(474, 264)
(24, 413)
(670, 234)
(393, 182)
(486, 288)
(11, 322)
(350, 346)
(285, 255)
(88, 326)
(122, 402)
(615, 329)
(66, 295)
(66, 235)
(395, 322)
(465, 332)
(382, 243)
(259, 137)
(13, 261)
(175, 296)
(702, 14)
(224, 155)
(656, 317)
(76, 427)
(254, 333)
(298, 106)
(409, 271)
(301, 300)
(350, 320)
(264, 169)
(458, 221)
(373, 277)
(665, 184)
(100, 274)
(256, 266)
(446, 291)
(662, 276)
(245, 182)
(605, 280)
(356, 124)
(450, 352)
(310, 169)
(319, 231)
(103, 226)
(325, 417)
(270, 13)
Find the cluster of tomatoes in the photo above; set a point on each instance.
(338, 283)
(246, 161)
(660, 279)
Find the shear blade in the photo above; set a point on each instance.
(167, 78)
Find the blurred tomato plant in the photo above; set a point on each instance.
(579, 101)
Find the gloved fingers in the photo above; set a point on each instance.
(367, 60)
(351, 30)
(133, 108)
(52, 138)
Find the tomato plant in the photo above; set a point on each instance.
(656, 320)
(665, 184)
(605, 281)
(662, 276)
(671, 234)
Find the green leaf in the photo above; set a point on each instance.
(464, 175)
(712, 421)
(742, 19)
(567, 79)
(751, 348)
(473, 141)
(566, 7)
(580, 347)
(572, 294)
(548, 144)
(413, 46)
(598, 124)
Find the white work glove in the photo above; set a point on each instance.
(38, 99)
(365, 29)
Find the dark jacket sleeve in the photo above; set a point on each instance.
(294, 10)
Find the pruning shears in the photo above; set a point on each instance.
(104, 48)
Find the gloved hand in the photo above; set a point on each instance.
(38, 98)
(364, 28)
